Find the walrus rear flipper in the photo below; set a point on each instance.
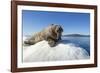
(29, 42)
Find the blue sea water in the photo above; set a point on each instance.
(83, 42)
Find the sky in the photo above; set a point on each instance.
(71, 22)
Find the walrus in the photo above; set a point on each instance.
(52, 34)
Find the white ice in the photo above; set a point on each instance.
(61, 52)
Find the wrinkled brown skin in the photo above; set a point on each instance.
(52, 34)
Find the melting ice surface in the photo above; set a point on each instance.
(69, 48)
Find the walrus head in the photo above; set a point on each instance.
(57, 31)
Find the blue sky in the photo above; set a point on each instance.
(72, 23)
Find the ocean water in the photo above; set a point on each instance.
(83, 42)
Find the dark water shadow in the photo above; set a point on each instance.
(64, 42)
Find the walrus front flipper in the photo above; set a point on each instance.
(51, 42)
